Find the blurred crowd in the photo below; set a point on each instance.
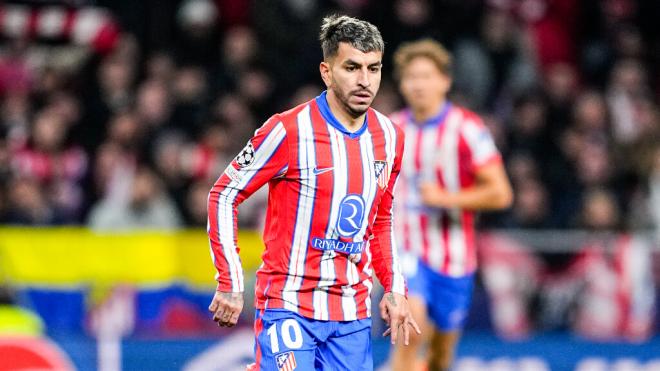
(130, 129)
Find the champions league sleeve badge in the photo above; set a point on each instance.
(382, 172)
(246, 156)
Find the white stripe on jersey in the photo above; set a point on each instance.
(398, 282)
(450, 173)
(340, 188)
(370, 183)
(228, 195)
(307, 162)
(348, 304)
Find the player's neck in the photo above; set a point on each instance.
(340, 112)
(422, 114)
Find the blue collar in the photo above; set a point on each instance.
(322, 102)
(435, 120)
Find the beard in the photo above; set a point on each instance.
(353, 110)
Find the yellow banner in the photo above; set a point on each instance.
(77, 256)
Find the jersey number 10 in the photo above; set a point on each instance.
(291, 342)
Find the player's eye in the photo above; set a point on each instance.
(351, 68)
(374, 68)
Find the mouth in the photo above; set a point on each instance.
(362, 95)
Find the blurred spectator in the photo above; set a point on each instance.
(239, 50)
(198, 29)
(56, 166)
(239, 121)
(16, 74)
(153, 104)
(528, 127)
(626, 88)
(146, 206)
(497, 66)
(160, 67)
(27, 204)
(273, 20)
(209, 157)
(190, 94)
(196, 204)
(561, 86)
(112, 94)
(531, 208)
(15, 118)
(600, 211)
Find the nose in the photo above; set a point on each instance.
(363, 78)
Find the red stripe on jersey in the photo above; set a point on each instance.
(445, 240)
(258, 328)
(424, 226)
(418, 149)
(467, 179)
(438, 142)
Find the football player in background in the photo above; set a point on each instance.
(450, 170)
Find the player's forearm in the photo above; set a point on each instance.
(479, 197)
(385, 261)
(222, 232)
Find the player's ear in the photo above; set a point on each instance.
(326, 73)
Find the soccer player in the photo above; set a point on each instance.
(451, 168)
(331, 165)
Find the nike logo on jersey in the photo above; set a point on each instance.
(318, 171)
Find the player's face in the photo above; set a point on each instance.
(423, 85)
(354, 77)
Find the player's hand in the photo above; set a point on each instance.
(433, 195)
(226, 307)
(394, 310)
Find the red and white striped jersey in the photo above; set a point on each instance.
(447, 149)
(330, 198)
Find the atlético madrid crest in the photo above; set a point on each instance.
(286, 361)
(382, 172)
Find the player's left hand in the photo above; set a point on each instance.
(433, 195)
(226, 308)
(394, 310)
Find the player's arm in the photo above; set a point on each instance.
(394, 305)
(264, 158)
(491, 189)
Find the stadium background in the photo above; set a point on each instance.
(117, 116)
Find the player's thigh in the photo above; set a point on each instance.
(452, 298)
(283, 340)
(348, 349)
